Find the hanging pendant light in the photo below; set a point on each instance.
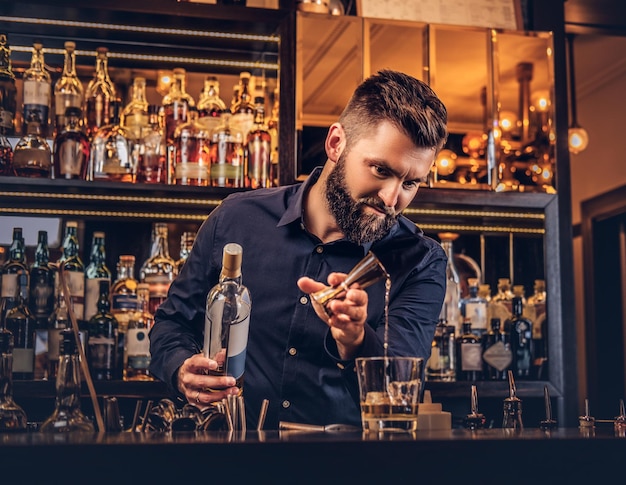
(577, 136)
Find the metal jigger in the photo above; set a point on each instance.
(475, 420)
(512, 418)
(367, 272)
(549, 422)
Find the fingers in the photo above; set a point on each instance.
(201, 388)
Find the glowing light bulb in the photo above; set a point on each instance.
(446, 162)
(508, 121)
(578, 139)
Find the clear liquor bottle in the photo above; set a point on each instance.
(37, 93)
(103, 339)
(68, 90)
(187, 239)
(441, 365)
(41, 299)
(12, 416)
(21, 323)
(124, 299)
(111, 151)
(134, 117)
(8, 91)
(243, 109)
(67, 416)
(192, 143)
(137, 343)
(32, 156)
(469, 354)
(176, 104)
(497, 355)
(71, 148)
(6, 154)
(227, 155)
(95, 272)
(227, 317)
(11, 269)
(152, 165)
(474, 307)
(521, 330)
(73, 269)
(210, 105)
(259, 149)
(159, 270)
(99, 94)
(501, 304)
(452, 298)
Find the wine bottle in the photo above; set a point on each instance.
(73, 270)
(21, 323)
(102, 343)
(95, 272)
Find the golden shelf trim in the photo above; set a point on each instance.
(482, 229)
(475, 213)
(114, 198)
(85, 213)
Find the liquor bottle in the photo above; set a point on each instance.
(535, 311)
(235, 98)
(59, 320)
(474, 307)
(497, 355)
(453, 283)
(227, 155)
(99, 94)
(227, 317)
(272, 127)
(137, 342)
(159, 270)
(21, 323)
(187, 239)
(134, 117)
(41, 299)
(15, 265)
(441, 365)
(111, 150)
(243, 110)
(501, 305)
(102, 342)
(95, 272)
(6, 154)
(71, 148)
(469, 354)
(210, 105)
(12, 416)
(176, 104)
(32, 156)
(259, 145)
(8, 91)
(68, 90)
(37, 92)
(124, 300)
(191, 152)
(152, 165)
(73, 270)
(67, 415)
(521, 330)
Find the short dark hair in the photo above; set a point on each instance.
(408, 103)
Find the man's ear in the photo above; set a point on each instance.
(335, 142)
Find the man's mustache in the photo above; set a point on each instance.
(378, 204)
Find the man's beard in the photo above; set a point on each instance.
(357, 226)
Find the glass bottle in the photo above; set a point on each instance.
(99, 94)
(32, 156)
(500, 305)
(243, 110)
(95, 272)
(8, 91)
(152, 165)
(453, 283)
(469, 354)
(441, 365)
(272, 127)
(71, 148)
(111, 151)
(12, 416)
(12, 267)
(21, 323)
(159, 270)
(68, 90)
(73, 270)
(6, 153)
(124, 299)
(41, 299)
(37, 93)
(102, 342)
(176, 104)
(521, 330)
(191, 152)
(137, 343)
(535, 311)
(210, 105)
(227, 155)
(134, 117)
(67, 415)
(259, 144)
(59, 320)
(497, 355)
(474, 307)
(227, 317)
(187, 239)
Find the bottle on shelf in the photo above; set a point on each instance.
(227, 317)
(32, 156)
(452, 298)
(441, 365)
(159, 270)
(102, 341)
(111, 155)
(192, 142)
(152, 165)
(535, 311)
(227, 155)
(6, 155)
(124, 299)
(73, 270)
(8, 91)
(210, 105)
(21, 323)
(497, 354)
(176, 104)
(469, 354)
(243, 109)
(95, 272)
(137, 341)
(474, 307)
(259, 149)
(12, 416)
(71, 148)
(134, 117)
(501, 304)
(272, 127)
(11, 270)
(187, 239)
(37, 93)
(68, 90)
(99, 94)
(67, 415)
(521, 330)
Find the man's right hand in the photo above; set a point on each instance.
(200, 388)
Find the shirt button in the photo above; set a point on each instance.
(319, 249)
(304, 300)
(286, 404)
(292, 351)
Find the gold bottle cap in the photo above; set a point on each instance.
(231, 260)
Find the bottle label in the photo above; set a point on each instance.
(92, 295)
(237, 344)
(243, 122)
(23, 360)
(498, 356)
(102, 352)
(137, 343)
(471, 358)
(64, 100)
(37, 93)
(477, 313)
(138, 362)
(9, 285)
(40, 296)
(192, 171)
(6, 119)
(76, 285)
(159, 285)
(123, 302)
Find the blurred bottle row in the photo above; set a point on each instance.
(96, 136)
(114, 316)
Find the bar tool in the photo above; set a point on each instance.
(512, 408)
(549, 422)
(586, 421)
(619, 424)
(474, 420)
